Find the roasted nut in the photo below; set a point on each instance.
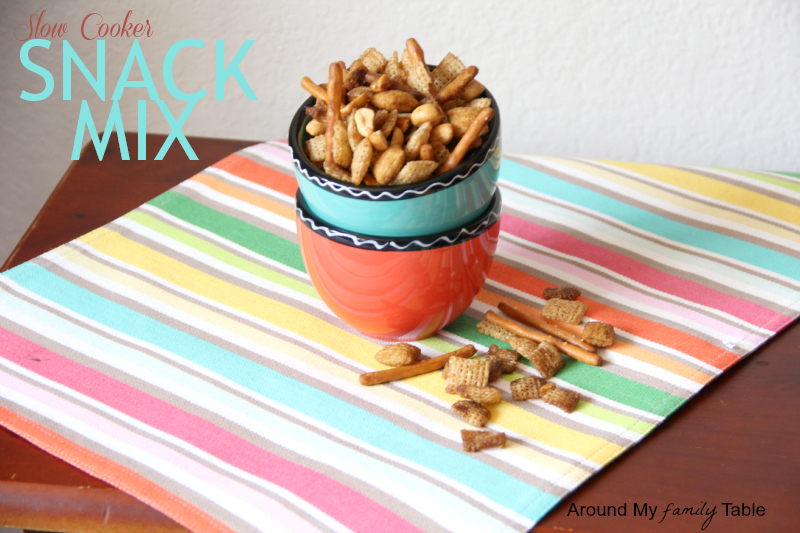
(443, 133)
(378, 141)
(403, 102)
(398, 354)
(316, 127)
(365, 121)
(426, 113)
(426, 152)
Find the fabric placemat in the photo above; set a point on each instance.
(181, 354)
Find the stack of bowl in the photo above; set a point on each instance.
(399, 262)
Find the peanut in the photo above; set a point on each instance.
(365, 121)
(426, 113)
(443, 133)
(403, 102)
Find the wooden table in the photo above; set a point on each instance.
(737, 441)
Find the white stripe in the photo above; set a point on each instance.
(238, 205)
(241, 183)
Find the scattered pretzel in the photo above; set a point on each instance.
(545, 326)
(518, 329)
(423, 367)
(463, 146)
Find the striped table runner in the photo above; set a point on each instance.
(181, 354)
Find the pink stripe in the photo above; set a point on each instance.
(622, 291)
(346, 505)
(646, 275)
(103, 431)
(274, 152)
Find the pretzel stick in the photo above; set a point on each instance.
(358, 103)
(423, 367)
(334, 99)
(459, 82)
(315, 90)
(518, 329)
(547, 327)
(472, 133)
(394, 84)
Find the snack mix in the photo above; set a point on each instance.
(393, 121)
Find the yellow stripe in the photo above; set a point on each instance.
(264, 338)
(351, 346)
(717, 190)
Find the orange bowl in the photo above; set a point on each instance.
(398, 289)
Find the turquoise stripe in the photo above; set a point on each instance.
(363, 425)
(646, 247)
(173, 379)
(658, 225)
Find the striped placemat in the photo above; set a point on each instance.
(181, 354)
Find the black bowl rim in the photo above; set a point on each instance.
(489, 217)
(394, 192)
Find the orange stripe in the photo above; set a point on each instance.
(678, 340)
(247, 169)
(245, 196)
(112, 473)
(633, 352)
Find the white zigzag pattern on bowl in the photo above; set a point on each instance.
(340, 187)
(360, 243)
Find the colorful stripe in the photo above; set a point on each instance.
(182, 354)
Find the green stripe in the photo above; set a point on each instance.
(767, 179)
(231, 228)
(594, 379)
(226, 257)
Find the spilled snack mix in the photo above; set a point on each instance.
(471, 412)
(475, 441)
(398, 354)
(466, 372)
(393, 121)
(598, 334)
(565, 310)
(564, 293)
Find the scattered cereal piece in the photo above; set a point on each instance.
(565, 310)
(475, 441)
(414, 171)
(471, 412)
(546, 359)
(564, 293)
(495, 369)
(507, 358)
(598, 334)
(562, 398)
(483, 395)
(466, 372)
(527, 388)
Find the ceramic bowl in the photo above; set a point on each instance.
(438, 204)
(398, 289)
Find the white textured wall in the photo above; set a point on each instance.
(701, 82)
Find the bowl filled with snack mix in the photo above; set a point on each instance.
(398, 289)
(397, 148)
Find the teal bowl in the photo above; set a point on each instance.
(438, 204)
